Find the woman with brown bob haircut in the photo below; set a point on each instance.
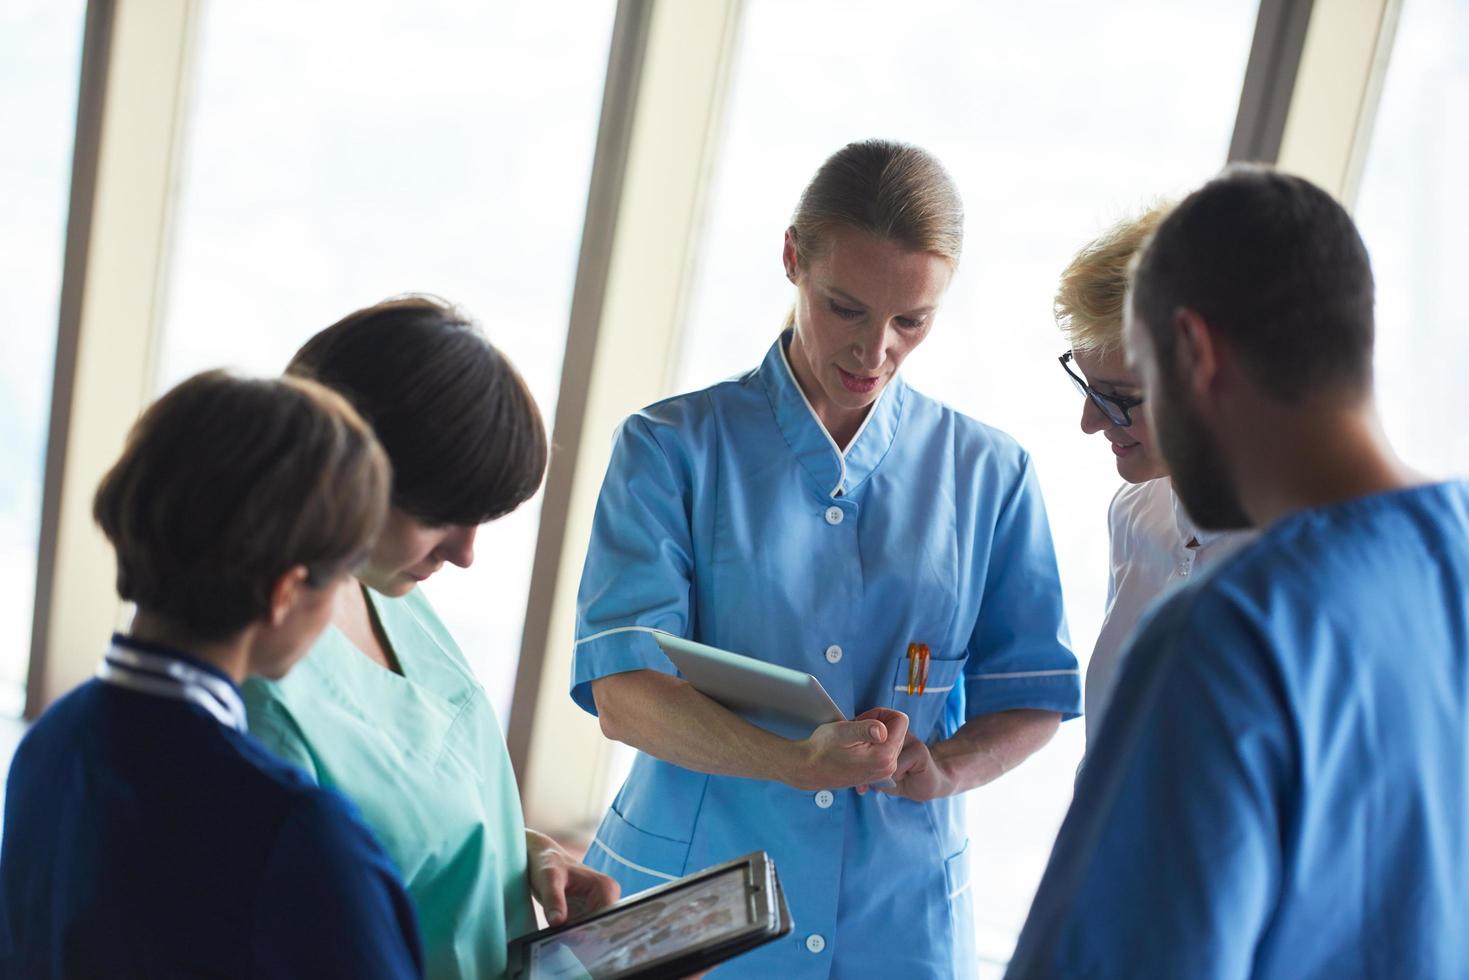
(386, 709)
(146, 833)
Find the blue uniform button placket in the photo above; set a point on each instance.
(815, 942)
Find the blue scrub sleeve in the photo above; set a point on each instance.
(1168, 862)
(1019, 653)
(330, 903)
(639, 569)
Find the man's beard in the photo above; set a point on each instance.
(1199, 475)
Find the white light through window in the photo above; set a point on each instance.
(40, 63)
(341, 152)
(1411, 213)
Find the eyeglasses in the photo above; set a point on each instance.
(1116, 408)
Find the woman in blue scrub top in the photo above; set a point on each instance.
(819, 513)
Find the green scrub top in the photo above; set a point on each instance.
(422, 755)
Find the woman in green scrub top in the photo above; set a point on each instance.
(385, 708)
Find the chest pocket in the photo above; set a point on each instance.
(925, 710)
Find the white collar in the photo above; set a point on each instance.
(153, 671)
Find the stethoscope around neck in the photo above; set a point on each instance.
(168, 677)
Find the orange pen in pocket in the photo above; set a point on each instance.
(917, 668)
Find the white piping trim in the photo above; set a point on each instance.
(903, 689)
(621, 629)
(636, 867)
(960, 890)
(1024, 673)
(870, 414)
(841, 456)
(841, 453)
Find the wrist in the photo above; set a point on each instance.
(794, 764)
(539, 845)
(946, 776)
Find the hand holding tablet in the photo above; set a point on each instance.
(792, 704)
(664, 933)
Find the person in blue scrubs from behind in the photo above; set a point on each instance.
(819, 513)
(146, 833)
(1281, 787)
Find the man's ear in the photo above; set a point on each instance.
(1196, 351)
(789, 256)
(285, 592)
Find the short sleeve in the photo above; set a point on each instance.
(329, 903)
(1112, 547)
(1168, 862)
(271, 723)
(1019, 652)
(639, 567)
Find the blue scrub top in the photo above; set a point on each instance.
(730, 517)
(1281, 786)
(145, 838)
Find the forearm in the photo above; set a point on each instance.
(989, 746)
(667, 718)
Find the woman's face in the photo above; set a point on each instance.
(408, 552)
(1107, 374)
(862, 306)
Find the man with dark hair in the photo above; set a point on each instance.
(1282, 784)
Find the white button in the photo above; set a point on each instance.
(833, 654)
(833, 515)
(815, 943)
(824, 799)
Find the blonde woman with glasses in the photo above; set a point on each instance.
(1155, 545)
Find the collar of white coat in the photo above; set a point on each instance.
(1187, 529)
(835, 471)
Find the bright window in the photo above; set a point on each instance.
(345, 151)
(1411, 213)
(1054, 125)
(40, 63)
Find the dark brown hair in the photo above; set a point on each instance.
(1276, 266)
(459, 424)
(228, 483)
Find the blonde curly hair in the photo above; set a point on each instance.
(1088, 304)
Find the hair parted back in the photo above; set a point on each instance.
(226, 484)
(1275, 265)
(460, 426)
(1093, 288)
(892, 191)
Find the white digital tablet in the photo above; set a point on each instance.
(788, 702)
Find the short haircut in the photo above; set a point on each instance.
(459, 425)
(228, 483)
(1275, 265)
(1089, 299)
